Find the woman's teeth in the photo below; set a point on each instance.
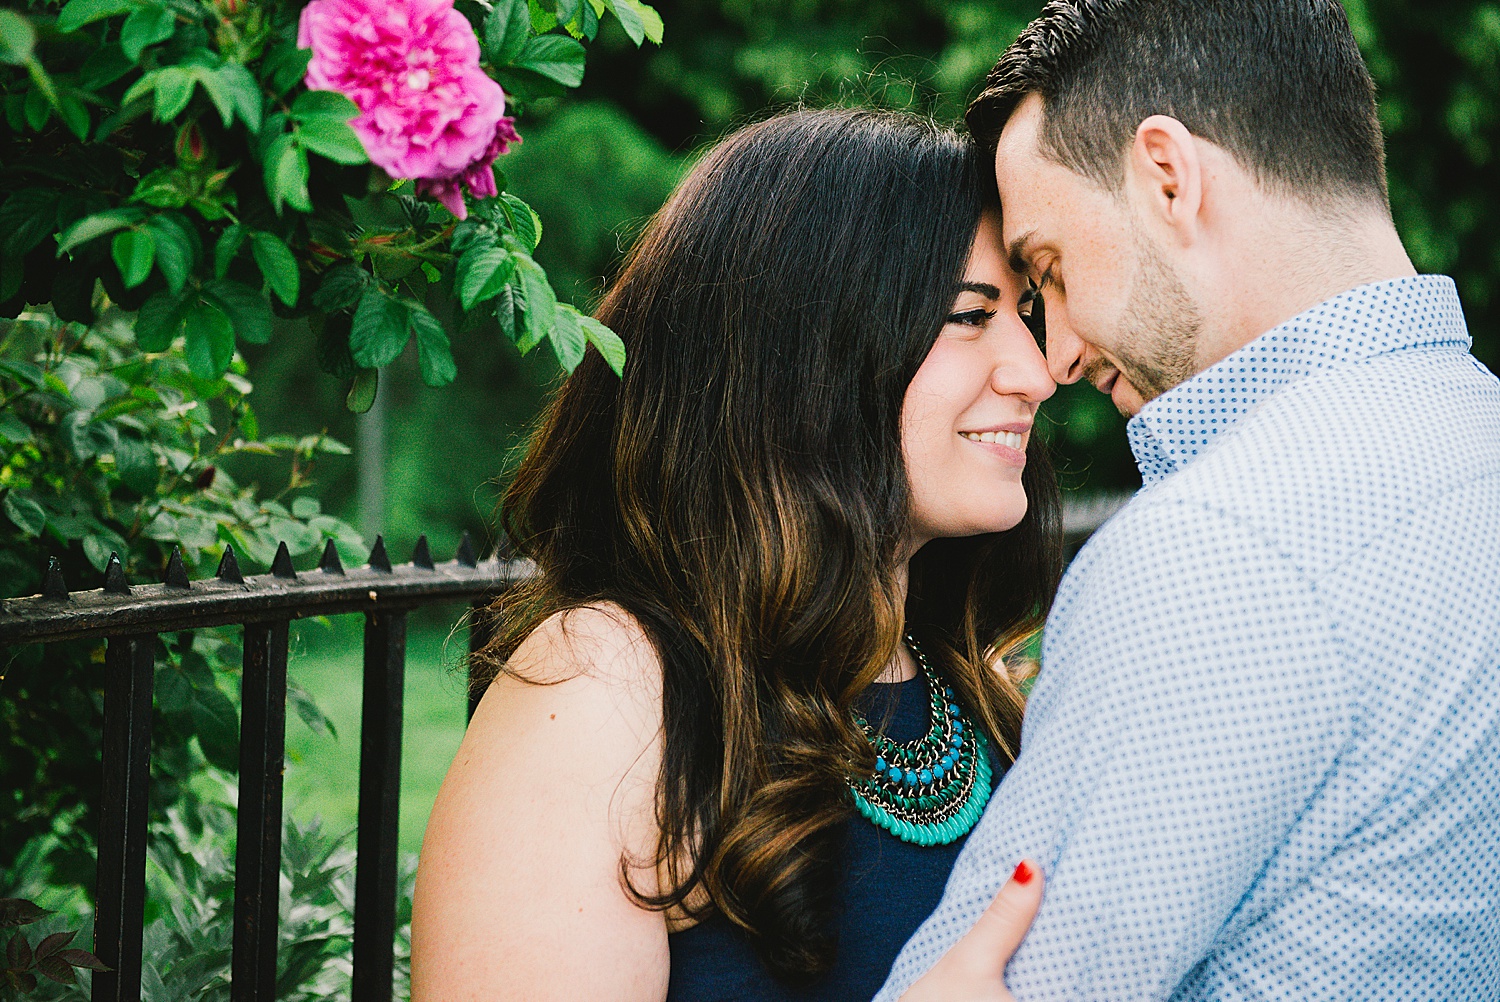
(1007, 438)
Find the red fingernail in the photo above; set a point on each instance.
(1023, 873)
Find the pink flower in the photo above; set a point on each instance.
(427, 111)
(478, 176)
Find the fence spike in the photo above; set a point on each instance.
(176, 573)
(421, 556)
(378, 558)
(331, 564)
(229, 567)
(53, 585)
(282, 567)
(465, 555)
(114, 576)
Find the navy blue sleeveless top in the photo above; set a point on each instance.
(889, 888)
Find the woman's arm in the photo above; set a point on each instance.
(519, 892)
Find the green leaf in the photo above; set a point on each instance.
(146, 26)
(379, 333)
(555, 57)
(210, 341)
(361, 396)
(218, 93)
(284, 67)
(134, 252)
(246, 308)
(506, 30)
(38, 107)
(482, 273)
(277, 264)
(606, 341)
(104, 66)
(286, 175)
(308, 710)
(17, 38)
(26, 219)
(434, 354)
(540, 303)
(332, 139)
(136, 464)
(568, 341)
(175, 253)
(230, 242)
(341, 287)
(244, 94)
(330, 104)
(96, 549)
(218, 727)
(174, 89)
(159, 321)
(97, 225)
(14, 430)
(524, 221)
(73, 114)
(650, 19)
(77, 13)
(565, 10)
(28, 516)
(542, 18)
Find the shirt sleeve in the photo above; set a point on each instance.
(1191, 702)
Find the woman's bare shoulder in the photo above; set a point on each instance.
(553, 786)
(602, 642)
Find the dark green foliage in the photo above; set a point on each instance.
(103, 449)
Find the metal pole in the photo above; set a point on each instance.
(379, 805)
(129, 663)
(257, 867)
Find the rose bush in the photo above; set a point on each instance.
(233, 171)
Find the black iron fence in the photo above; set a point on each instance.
(132, 617)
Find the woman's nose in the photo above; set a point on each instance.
(1023, 371)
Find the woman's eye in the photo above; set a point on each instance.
(972, 318)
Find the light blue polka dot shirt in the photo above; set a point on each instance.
(1262, 760)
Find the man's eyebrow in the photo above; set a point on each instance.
(1019, 250)
(985, 289)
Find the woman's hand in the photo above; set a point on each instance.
(974, 970)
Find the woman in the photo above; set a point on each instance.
(711, 766)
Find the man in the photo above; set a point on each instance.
(1262, 760)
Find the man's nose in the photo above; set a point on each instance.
(1065, 350)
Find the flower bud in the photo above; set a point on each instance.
(191, 148)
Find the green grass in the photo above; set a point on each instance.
(322, 773)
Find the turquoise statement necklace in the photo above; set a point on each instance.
(930, 791)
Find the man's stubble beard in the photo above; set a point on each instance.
(1156, 342)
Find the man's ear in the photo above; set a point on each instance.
(1167, 173)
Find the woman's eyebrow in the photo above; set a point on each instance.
(983, 288)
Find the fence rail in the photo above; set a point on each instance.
(132, 616)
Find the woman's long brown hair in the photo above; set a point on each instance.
(741, 492)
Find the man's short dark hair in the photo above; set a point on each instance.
(1279, 84)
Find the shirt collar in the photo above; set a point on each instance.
(1422, 311)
